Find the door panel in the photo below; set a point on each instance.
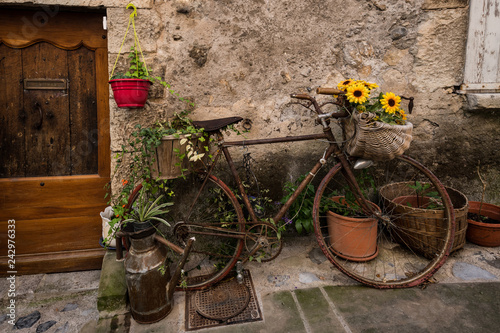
(59, 127)
(83, 111)
(47, 122)
(12, 118)
(55, 158)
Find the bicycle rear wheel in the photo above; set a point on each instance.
(408, 243)
(213, 216)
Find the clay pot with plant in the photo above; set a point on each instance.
(484, 221)
(344, 219)
(347, 224)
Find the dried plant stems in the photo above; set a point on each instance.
(484, 189)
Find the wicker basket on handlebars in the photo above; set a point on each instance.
(375, 140)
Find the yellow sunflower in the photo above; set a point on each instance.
(390, 102)
(368, 85)
(357, 93)
(402, 114)
(346, 83)
(371, 86)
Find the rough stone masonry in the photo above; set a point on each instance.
(245, 57)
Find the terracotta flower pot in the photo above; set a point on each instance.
(130, 93)
(353, 238)
(484, 234)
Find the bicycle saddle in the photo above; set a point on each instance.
(216, 124)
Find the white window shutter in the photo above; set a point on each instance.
(482, 63)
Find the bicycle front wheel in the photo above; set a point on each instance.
(405, 241)
(210, 212)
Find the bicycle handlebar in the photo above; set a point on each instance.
(329, 91)
(317, 107)
(301, 96)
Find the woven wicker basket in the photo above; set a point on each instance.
(421, 225)
(375, 140)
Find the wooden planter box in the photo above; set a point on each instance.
(167, 164)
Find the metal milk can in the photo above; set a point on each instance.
(150, 291)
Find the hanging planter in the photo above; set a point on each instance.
(130, 93)
(171, 161)
(130, 89)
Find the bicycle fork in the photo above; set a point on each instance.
(348, 174)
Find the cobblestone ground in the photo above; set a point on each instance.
(300, 290)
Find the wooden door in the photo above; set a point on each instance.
(54, 139)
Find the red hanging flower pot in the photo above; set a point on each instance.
(130, 93)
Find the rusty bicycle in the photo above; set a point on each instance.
(229, 232)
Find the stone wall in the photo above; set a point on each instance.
(244, 57)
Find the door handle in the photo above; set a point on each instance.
(40, 121)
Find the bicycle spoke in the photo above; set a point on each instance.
(216, 221)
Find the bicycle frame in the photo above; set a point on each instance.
(411, 262)
(333, 149)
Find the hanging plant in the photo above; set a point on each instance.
(131, 88)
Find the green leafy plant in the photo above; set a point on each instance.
(300, 212)
(426, 199)
(139, 156)
(346, 206)
(146, 209)
(138, 70)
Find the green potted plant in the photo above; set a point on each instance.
(166, 150)
(484, 224)
(343, 218)
(181, 146)
(347, 224)
(146, 210)
(130, 89)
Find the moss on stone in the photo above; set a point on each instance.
(112, 294)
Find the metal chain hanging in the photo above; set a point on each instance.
(250, 177)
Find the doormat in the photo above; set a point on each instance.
(225, 303)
